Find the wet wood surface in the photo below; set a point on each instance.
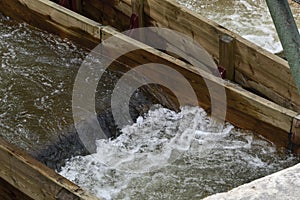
(255, 68)
(244, 109)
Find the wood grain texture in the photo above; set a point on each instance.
(8, 192)
(34, 179)
(260, 68)
(244, 109)
(226, 52)
(239, 100)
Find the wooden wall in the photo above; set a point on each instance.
(244, 109)
(254, 68)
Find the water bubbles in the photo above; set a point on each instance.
(250, 19)
(164, 149)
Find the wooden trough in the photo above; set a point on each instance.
(273, 116)
(250, 66)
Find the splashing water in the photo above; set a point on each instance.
(37, 70)
(249, 18)
(168, 155)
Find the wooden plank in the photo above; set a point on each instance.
(255, 64)
(244, 109)
(138, 9)
(106, 13)
(227, 55)
(295, 136)
(34, 179)
(78, 6)
(239, 100)
(8, 192)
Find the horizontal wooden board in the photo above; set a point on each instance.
(61, 20)
(258, 69)
(34, 179)
(244, 109)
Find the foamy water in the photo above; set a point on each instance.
(185, 155)
(168, 155)
(37, 71)
(249, 18)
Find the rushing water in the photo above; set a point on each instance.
(168, 155)
(37, 73)
(165, 155)
(249, 18)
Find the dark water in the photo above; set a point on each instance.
(37, 73)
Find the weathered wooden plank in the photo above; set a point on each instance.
(251, 61)
(34, 179)
(244, 109)
(226, 52)
(138, 9)
(105, 13)
(257, 108)
(8, 192)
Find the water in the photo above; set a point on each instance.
(168, 155)
(37, 73)
(249, 18)
(164, 155)
(186, 155)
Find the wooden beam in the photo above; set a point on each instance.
(138, 9)
(33, 179)
(105, 13)
(295, 135)
(227, 55)
(244, 109)
(7, 191)
(258, 69)
(79, 6)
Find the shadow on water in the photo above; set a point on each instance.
(37, 74)
(69, 144)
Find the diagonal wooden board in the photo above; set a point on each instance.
(244, 109)
(255, 68)
(34, 179)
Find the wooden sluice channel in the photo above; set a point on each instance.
(273, 114)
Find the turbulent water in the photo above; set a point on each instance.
(249, 18)
(164, 155)
(37, 70)
(168, 155)
(37, 75)
(185, 155)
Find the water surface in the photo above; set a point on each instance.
(249, 18)
(169, 155)
(36, 74)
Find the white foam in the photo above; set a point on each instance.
(164, 147)
(249, 18)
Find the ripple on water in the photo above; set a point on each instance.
(249, 18)
(168, 155)
(37, 72)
